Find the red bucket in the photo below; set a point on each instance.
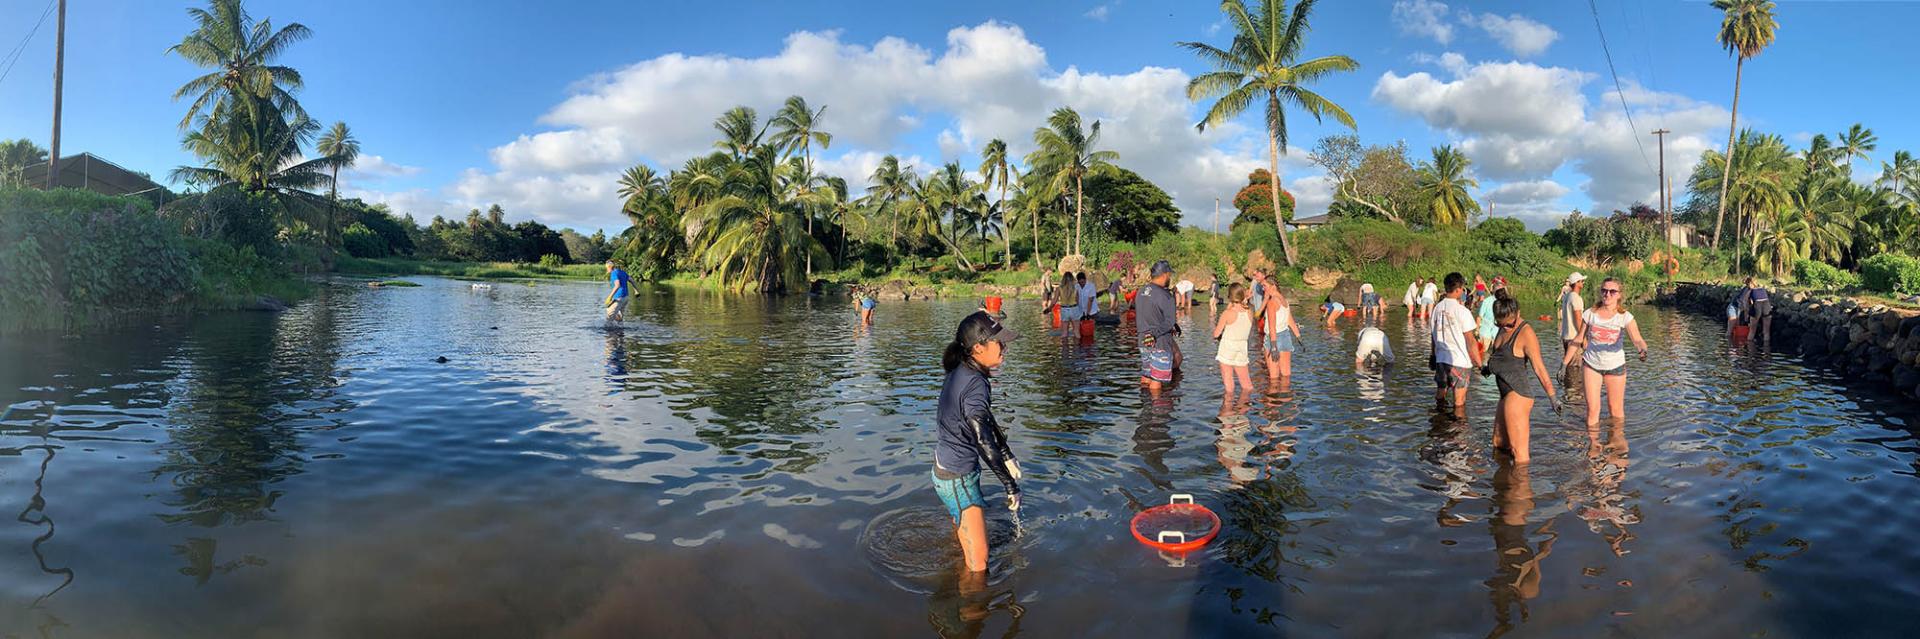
(1740, 333)
(1351, 312)
(993, 305)
(1176, 526)
(1056, 316)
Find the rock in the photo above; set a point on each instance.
(1836, 344)
(894, 290)
(1799, 298)
(1257, 261)
(1321, 278)
(1905, 377)
(1347, 290)
(440, 360)
(1073, 263)
(267, 303)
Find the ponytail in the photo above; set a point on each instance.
(955, 355)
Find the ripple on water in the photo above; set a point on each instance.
(914, 547)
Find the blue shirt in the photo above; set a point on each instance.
(618, 279)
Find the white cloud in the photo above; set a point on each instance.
(374, 167)
(1524, 122)
(1423, 18)
(1519, 34)
(1100, 13)
(989, 82)
(1453, 63)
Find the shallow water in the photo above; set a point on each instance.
(728, 466)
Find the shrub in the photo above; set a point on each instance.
(551, 261)
(1891, 273)
(1822, 275)
(361, 241)
(228, 214)
(73, 252)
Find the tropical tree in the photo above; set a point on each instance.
(1829, 208)
(1065, 152)
(996, 170)
(241, 54)
(1787, 237)
(797, 128)
(1819, 153)
(1764, 172)
(1746, 27)
(1903, 167)
(923, 212)
(1263, 62)
(341, 150)
(15, 157)
(1855, 142)
(841, 210)
(752, 233)
(740, 131)
(654, 241)
(259, 152)
(1443, 187)
(888, 186)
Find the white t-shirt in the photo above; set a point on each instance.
(1373, 341)
(1413, 293)
(1606, 340)
(1451, 322)
(1570, 307)
(1089, 299)
(1431, 293)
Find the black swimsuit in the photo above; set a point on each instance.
(1509, 371)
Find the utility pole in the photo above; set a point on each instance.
(1666, 199)
(59, 65)
(1216, 216)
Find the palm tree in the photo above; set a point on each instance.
(995, 170)
(1065, 152)
(1855, 142)
(752, 232)
(1902, 167)
(240, 53)
(841, 210)
(1819, 153)
(1829, 208)
(1443, 185)
(1785, 239)
(1764, 170)
(654, 239)
(923, 211)
(1263, 62)
(740, 131)
(1746, 28)
(797, 128)
(889, 185)
(15, 157)
(258, 152)
(340, 149)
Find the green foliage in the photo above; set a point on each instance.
(551, 261)
(1129, 208)
(71, 254)
(486, 237)
(1821, 275)
(1604, 240)
(360, 241)
(1255, 201)
(230, 215)
(1891, 273)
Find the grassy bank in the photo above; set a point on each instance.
(391, 266)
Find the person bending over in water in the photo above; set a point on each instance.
(969, 435)
(1759, 307)
(1607, 326)
(616, 301)
(1233, 329)
(1515, 349)
(1330, 311)
(1373, 350)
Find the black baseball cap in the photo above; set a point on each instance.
(1161, 268)
(981, 327)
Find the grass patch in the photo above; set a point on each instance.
(395, 283)
(389, 266)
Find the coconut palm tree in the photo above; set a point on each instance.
(1903, 167)
(1855, 142)
(1829, 208)
(924, 210)
(1819, 153)
(1443, 185)
(996, 170)
(1066, 153)
(1745, 29)
(841, 210)
(1786, 238)
(797, 128)
(1764, 172)
(654, 240)
(241, 54)
(1263, 62)
(258, 151)
(740, 132)
(889, 185)
(752, 233)
(340, 149)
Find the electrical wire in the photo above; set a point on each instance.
(1616, 87)
(13, 57)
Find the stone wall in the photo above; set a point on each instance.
(1870, 343)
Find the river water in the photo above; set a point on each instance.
(745, 466)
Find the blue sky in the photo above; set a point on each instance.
(462, 104)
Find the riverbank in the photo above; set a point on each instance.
(1867, 340)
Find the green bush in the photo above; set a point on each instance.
(72, 253)
(231, 215)
(1891, 273)
(361, 241)
(1822, 275)
(551, 261)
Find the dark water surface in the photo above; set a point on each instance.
(728, 466)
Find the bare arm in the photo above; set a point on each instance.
(1633, 332)
(1220, 325)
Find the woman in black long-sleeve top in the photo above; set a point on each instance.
(969, 434)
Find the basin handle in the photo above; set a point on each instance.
(1172, 533)
(1176, 497)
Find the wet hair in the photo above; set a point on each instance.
(1455, 281)
(1504, 306)
(973, 330)
(1237, 293)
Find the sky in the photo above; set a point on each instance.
(539, 106)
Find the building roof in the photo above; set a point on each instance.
(1316, 220)
(93, 173)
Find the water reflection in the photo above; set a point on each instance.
(1597, 496)
(963, 608)
(35, 514)
(1518, 563)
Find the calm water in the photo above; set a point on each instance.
(752, 467)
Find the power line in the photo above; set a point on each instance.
(13, 57)
(1634, 128)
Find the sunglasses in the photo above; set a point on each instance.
(1610, 291)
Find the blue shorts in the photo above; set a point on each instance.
(959, 493)
(1156, 363)
(1281, 342)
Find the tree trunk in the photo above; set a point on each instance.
(1273, 186)
(1079, 206)
(333, 195)
(1034, 220)
(805, 187)
(1726, 176)
(1004, 235)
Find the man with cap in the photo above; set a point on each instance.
(1154, 321)
(1570, 307)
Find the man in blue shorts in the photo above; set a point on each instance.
(1154, 321)
(617, 298)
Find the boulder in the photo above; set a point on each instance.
(1257, 261)
(267, 303)
(1322, 278)
(1071, 263)
(894, 290)
(1905, 377)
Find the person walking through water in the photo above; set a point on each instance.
(621, 286)
(1066, 298)
(1429, 295)
(1571, 307)
(1281, 334)
(1453, 357)
(1515, 349)
(1154, 321)
(969, 434)
(1606, 327)
(1233, 329)
(1412, 299)
(1372, 309)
